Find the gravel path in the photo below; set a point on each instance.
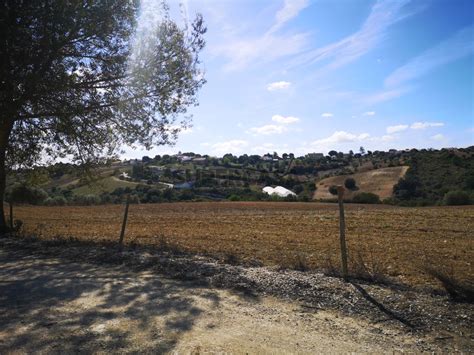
(60, 298)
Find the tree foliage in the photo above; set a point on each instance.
(75, 82)
(21, 193)
(332, 189)
(350, 183)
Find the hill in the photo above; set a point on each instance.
(377, 181)
(405, 177)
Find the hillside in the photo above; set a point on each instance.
(407, 177)
(377, 181)
(107, 184)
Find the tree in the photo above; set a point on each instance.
(75, 81)
(350, 183)
(362, 150)
(333, 190)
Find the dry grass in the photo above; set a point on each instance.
(401, 240)
(378, 181)
(461, 291)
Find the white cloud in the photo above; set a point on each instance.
(269, 46)
(269, 148)
(383, 95)
(438, 137)
(278, 85)
(327, 115)
(290, 10)
(397, 128)
(242, 52)
(424, 125)
(268, 129)
(369, 113)
(285, 120)
(341, 137)
(453, 48)
(387, 138)
(383, 14)
(232, 146)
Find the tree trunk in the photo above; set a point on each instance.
(5, 130)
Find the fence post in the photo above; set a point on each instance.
(124, 223)
(342, 231)
(11, 214)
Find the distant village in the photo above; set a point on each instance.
(183, 170)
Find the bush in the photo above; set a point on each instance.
(458, 290)
(186, 195)
(234, 198)
(55, 201)
(333, 190)
(366, 197)
(297, 261)
(456, 198)
(350, 183)
(297, 189)
(21, 193)
(87, 200)
(134, 199)
(60, 201)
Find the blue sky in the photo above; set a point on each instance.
(315, 75)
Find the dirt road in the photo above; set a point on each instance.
(49, 305)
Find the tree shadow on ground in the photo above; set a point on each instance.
(57, 306)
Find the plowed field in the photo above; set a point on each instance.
(401, 241)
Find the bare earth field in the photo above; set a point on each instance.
(400, 241)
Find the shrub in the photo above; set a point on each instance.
(455, 198)
(366, 197)
(297, 261)
(297, 189)
(457, 290)
(186, 195)
(48, 202)
(333, 190)
(55, 201)
(22, 193)
(134, 199)
(60, 201)
(87, 200)
(369, 270)
(234, 198)
(350, 183)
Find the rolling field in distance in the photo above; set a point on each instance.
(401, 240)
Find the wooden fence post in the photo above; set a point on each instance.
(124, 223)
(342, 231)
(11, 214)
